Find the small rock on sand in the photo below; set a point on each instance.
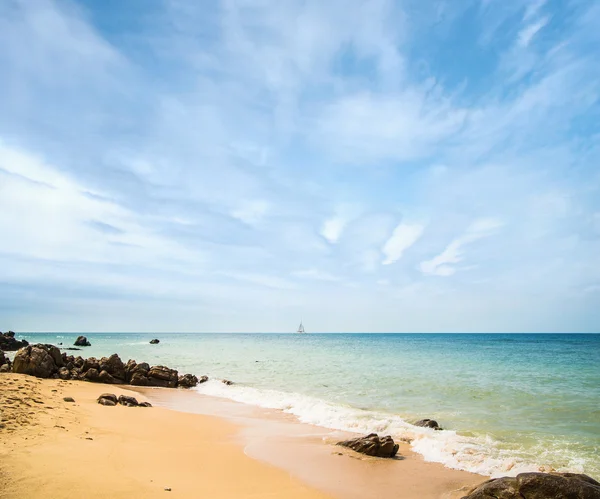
(69, 399)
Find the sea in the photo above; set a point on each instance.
(508, 403)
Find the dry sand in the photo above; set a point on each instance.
(50, 448)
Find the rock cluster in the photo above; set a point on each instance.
(46, 361)
(428, 423)
(8, 343)
(111, 399)
(5, 366)
(372, 445)
(82, 341)
(538, 486)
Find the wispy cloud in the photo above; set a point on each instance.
(403, 237)
(527, 33)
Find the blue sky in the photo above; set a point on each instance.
(365, 165)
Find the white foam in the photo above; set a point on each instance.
(475, 454)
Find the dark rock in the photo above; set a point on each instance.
(69, 399)
(227, 382)
(187, 381)
(538, 486)
(202, 379)
(155, 341)
(82, 341)
(105, 377)
(138, 379)
(428, 423)
(8, 343)
(103, 401)
(128, 401)
(114, 366)
(79, 361)
(372, 445)
(162, 376)
(64, 373)
(109, 396)
(145, 404)
(91, 375)
(5, 368)
(70, 348)
(90, 363)
(38, 360)
(3, 358)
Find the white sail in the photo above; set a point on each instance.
(301, 328)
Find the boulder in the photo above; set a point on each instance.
(202, 379)
(538, 486)
(90, 363)
(428, 423)
(5, 368)
(64, 373)
(109, 396)
(145, 404)
(3, 358)
(128, 401)
(114, 366)
(38, 360)
(155, 341)
(187, 381)
(372, 445)
(139, 379)
(105, 377)
(103, 401)
(68, 399)
(91, 375)
(162, 376)
(227, 382)
(82, 341)
(8, 343)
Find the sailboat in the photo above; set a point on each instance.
(301, 328)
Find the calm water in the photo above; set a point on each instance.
(509, 402)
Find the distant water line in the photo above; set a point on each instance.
(509, 402)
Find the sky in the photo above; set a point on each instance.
(365, 166)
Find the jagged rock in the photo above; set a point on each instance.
(105, 377)
(155, 341)
(79, 361)
(538, 486)
(82, 341)
(90, 363)
(145, 404)
(8, 343)
(64, 373)
(114, 366)
(38, 360)
(91, 375)
(162, 376)
(138, 379)
(227, 382)
(428, 423)
(128, 401)
(109, 396)
(372, 445)
(103, 401)
(187, 381)
(202, 379)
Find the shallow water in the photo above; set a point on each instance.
(509, 402)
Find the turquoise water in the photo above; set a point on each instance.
(509, 402)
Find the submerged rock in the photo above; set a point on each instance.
(538, 486)
(82, 341)
(8, 343)
(372, 445)
(155, 341)
(227, 382)
(202, 379)
(187, 381)
(428, 423)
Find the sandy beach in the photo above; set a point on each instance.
(53, 448)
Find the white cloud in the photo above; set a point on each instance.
(443, 264)
(251, 212)
(317, 275)
(527, 33)
(403, 237)
(332, 228)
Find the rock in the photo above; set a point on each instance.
(105, 377)
(82, 341)
(109, 396)
(38, 360)
(538, 486)
(5, 368)
(138, 379)
(372, 445)
(3, 358)
(69, 399)
(114, 366)
(203, 379)
(145, 404)
(187, 381)
(162, 376)
(428, 423)
(227, 382)
(8, 343)
(128, 401)
(90, 363)
(155, 341)
(79, 361)
(108, 402)
(64, 373)
(91, 375)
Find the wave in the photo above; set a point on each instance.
(477, 454)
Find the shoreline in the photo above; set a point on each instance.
(50, 442)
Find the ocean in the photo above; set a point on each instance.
(507, 402)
